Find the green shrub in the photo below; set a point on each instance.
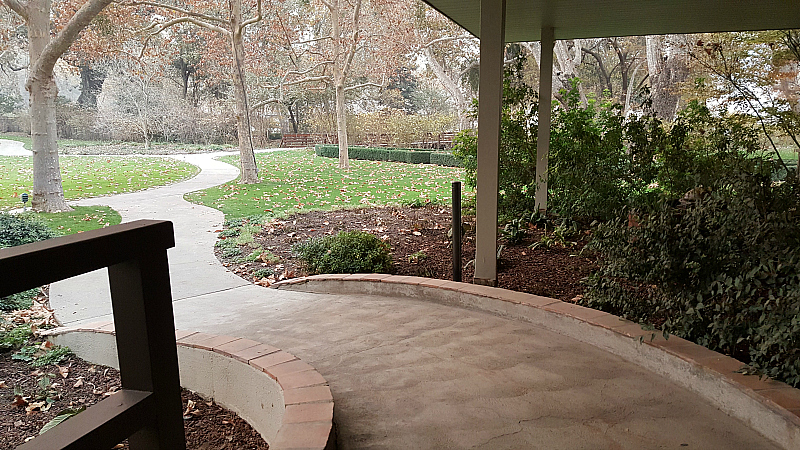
(15, 338)
(263, 273)
(231, 252)
(445, 159)
(21, 300)
(411, 156)
(588, 174)
(722, 271)
(17, 229)
(36, 356)
(517, 164)
(345, 252)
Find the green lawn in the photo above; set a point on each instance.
(91, 176)
(62, 143)
(297, 180)
(82, 218)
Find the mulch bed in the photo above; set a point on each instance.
(75, 383)
(421, 247)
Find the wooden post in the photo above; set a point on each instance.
(456, 231)
(145, 328)
(493, 21)
(543, 137)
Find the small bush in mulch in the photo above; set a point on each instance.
(345, 252)
(18, 230)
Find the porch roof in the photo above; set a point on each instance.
(572, 19)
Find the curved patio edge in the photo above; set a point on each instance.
(770, 407)
(283, 398)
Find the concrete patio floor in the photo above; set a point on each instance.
(408, 373)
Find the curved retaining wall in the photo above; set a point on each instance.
(770, 407)
(284, 399)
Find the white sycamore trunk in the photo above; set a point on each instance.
(247, 156)
(48, 193)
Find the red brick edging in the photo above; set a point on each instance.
(308, 418)
(691, 363)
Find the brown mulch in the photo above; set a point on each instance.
(421, 247)
(75, 383)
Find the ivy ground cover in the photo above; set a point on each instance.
(91, 176)
(297, 180)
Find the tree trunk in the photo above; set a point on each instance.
(668, 66)
(48, 193)
(452, 88)
(91, 85)
(247, 158)
(341, 127)
(338, 83)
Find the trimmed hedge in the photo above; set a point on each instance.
(410, 156)
(445, 159)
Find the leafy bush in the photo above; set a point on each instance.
(37, 356)
(345, 252)
(411, 156)
(263, 272)
(21, 300)
(445, 159)
(517, 170)
(587, 171)
(722, 270)
(15, 337)
(18, 229)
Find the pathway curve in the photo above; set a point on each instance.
(414, 374)
(13, 148)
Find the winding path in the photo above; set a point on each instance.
(13, 148)
(410, 373)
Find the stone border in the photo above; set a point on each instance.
(283, 398)
(770, 407)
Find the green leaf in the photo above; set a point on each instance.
(62, 416)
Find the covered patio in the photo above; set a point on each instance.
(497, 22)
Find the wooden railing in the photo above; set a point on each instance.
(148, 409)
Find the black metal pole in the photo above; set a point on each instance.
(456, 231)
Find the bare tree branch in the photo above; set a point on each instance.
(264, 103)
(185, 12)
(43, 66)
(363, 85)
(21, 8)
(447, 38)
(351, 52)
(163, 26)
(311, 40)
(252, 20)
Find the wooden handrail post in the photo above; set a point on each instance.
(145, 328)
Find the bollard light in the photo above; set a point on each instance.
(24, 201)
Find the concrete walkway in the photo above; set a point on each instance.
(410, 373)
(13, 148)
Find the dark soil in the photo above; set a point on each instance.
(75, 383)
(421, 247)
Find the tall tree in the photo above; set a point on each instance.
(346, 45)
(48, 193)
(668, 65)
(451, 56)
(230, 23)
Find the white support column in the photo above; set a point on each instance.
(493, 23)
(545, 94)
